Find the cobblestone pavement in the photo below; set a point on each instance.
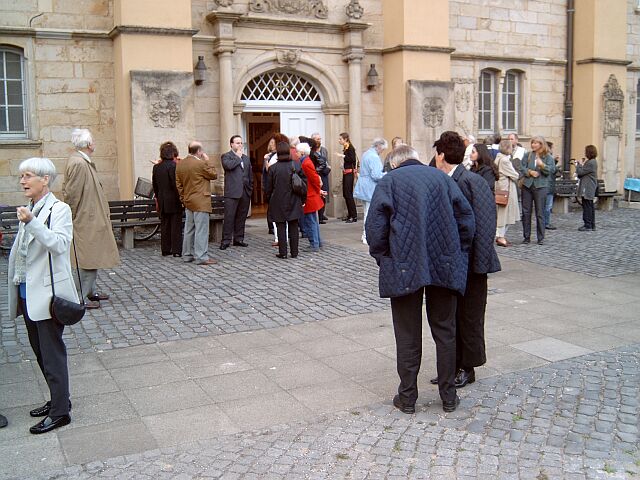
(574, 419)
(156, 299)
(609, 251)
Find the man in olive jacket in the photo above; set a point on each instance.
(94, 241)
(193, 180)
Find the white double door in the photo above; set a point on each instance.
(301, 122)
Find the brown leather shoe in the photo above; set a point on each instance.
(211, 261)
(96, 297)
(90, 304)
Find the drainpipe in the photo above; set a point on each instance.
(568, 93)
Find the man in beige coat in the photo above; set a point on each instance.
(193, 180)
(95, 244)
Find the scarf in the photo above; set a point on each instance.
(24, 237)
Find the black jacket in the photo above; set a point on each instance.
(486, 172)
(284, 205)
(164, 186)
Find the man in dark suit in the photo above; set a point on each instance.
(470, 346)
(419, 229)
(193, 180)
(168, 200)
(238, 185)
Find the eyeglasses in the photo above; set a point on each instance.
(29, 176)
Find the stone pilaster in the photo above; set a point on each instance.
(353, 55)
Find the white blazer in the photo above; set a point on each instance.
(57, 241)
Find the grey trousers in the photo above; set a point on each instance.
(195, 244)
(88, 279)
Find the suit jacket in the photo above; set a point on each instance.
(193, 181)
(165, 188)
(483, 258)
(55, 240)
(419, 228)
(237, 180)
(82, 191)
(529, 163)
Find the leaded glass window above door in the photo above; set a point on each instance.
(280, 86)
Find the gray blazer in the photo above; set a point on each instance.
(238, 175)
(588, 179)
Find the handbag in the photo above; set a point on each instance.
(298, 185)
(63, 311)
(502, 197)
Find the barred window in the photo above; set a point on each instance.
(280, 86)
(511, 102)
(486, 101)
(13, 115)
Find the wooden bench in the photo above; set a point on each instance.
(8, 225)
(568, 189)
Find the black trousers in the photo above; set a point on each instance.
(171, 233)
(407, 325)
(235, 216)
(45, 337)
(347, 193)
(537, 196)
(470, 312)
(294, 237)
(588, 213)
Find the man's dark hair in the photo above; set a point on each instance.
(233, 138)
(168, 151)
(452, 145)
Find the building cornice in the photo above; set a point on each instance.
(604, 61)
(502, 59)
(16, 144)
(633, 68)
(418, 48)
(143, 30)
(291, 24)
(54, 33)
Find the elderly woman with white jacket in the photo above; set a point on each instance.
(370, 172)
(45, 229)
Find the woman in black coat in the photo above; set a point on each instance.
(483, 165)
(168, 200)
(285, 207)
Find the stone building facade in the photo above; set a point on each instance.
(125, 70)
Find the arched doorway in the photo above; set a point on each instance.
(277, 101)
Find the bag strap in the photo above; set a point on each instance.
(53, 290)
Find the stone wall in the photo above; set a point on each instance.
(632, 150)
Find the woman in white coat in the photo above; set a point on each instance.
(30, 284)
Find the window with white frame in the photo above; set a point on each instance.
(13, 114)
(511, 102)
(486, 102)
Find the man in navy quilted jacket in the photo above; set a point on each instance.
(420, 228)
(470, 346)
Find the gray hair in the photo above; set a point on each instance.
(505, 147)
(293, 141)
(380, 142)
(81, 138)
(303, 148)
(39, 166)
(471, 138)
(316, 134)
(401, 154)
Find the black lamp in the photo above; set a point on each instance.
(199, 71)
(372, 77)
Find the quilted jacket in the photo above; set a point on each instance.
(483, 257)
(419, 229)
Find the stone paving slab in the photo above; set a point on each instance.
(573, 419)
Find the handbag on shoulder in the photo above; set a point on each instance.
(502, 197)
(298, 185)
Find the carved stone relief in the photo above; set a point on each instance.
(613, 113)
(224, 3)
(354, 10)
(463, 100)
(164, 108)
(433, 111)
(288, 57)
(317, 8)
(613, 107)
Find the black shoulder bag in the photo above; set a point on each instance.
(298, 185)
(65, 312)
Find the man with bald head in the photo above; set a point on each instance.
(193, 180)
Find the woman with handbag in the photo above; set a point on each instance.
(507, 214)
(41, 252)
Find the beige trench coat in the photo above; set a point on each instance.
(507, 214)
(95, 243)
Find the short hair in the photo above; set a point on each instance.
(515, 135)
(194, 147)
(280, 137)
(39, 166)
(471, 138)
(233, 138)
(345, 136)
(489, 140)
(505, 147)
(545, 147)
(316, 134)
(452, 145)
(168, 151)
(81, 138)
(401, 154)
(380, 142)
(591, 152)
(293, 141)
(497, 138)
(303, 148)
(396, 141)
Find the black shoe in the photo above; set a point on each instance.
(280, 256)
(325, 219)
(43, 411)
(96, 297)
(224, 246)
(550, 227)
(434, 381)
(49, 424)
(408, 409)
(3, 421)
(240, 244)
(322, 222)
(526, 241)
(270, 232)
(465, 377)
(166, 254)
(585, 229)
(294, 256)
(540, 242)
(452, 405)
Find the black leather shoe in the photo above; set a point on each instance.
(49, 424)
(540, 242)
(526, 241)
(43, 411)
(452, 405)
(408, 409)
(550, 227)
(240, 244)
(584, 229)
(322, 222)
(434, 381)
(280, 256)
(224, 246)
(464, 377)
(3, 421)
(96, 297)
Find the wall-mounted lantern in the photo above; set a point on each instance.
(199, 71)
(372, 77)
